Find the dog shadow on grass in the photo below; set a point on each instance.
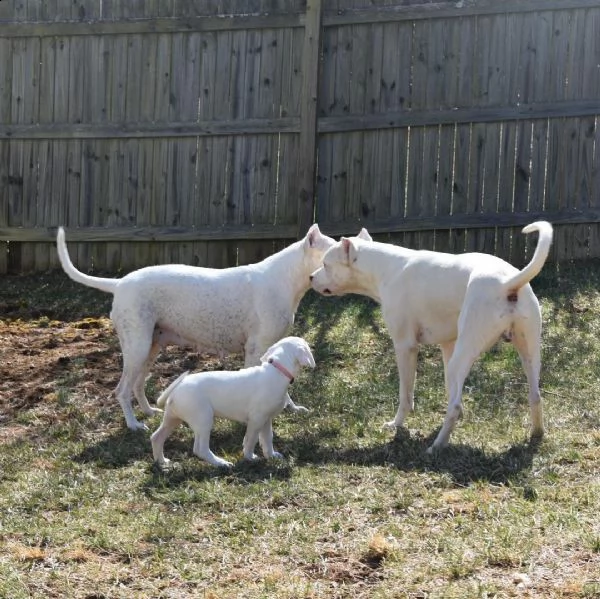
(124, 447)
(408, 452)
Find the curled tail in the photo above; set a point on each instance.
(162, 400)
(107, 285)
(542, 249)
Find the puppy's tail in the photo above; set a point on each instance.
(107, 285)
(542, 249)
(162, 400)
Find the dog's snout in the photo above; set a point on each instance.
(311, 277)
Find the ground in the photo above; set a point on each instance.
(351, 512)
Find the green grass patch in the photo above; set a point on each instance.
(352, 511)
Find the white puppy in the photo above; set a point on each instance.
(244, 308)
(464, 303)
(252, 395)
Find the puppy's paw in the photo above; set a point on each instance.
(277, 456)
(301, 410)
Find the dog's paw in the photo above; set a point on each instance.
(301, 410)
(277, 456)
(136, 425)
(165, 464)
(389, 426)
(224, 464)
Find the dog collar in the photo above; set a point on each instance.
(282, 369)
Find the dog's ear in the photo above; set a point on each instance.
(314, 233)
(306, 357)
(364, 234)
(348, 249)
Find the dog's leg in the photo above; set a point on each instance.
(265, 438)
(447, 351)
(135, 337)
(158, 438)
(477, 331)
(406, 358)
(526, 339)
(139, 387)
(250, 439)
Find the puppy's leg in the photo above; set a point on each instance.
(265, 437)
(139, 387)
(406, 358)
(250, 438)
(160, 435)
(526, 339)
(202, 425)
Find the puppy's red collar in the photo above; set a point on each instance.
(282, 369)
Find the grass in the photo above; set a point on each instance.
(352, 511)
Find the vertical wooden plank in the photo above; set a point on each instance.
(447, 95)
(161, 146)
(5, 145)
(288, 189)
(221, 254)
(59, 147)
(591, 89)
(492, 70)
(326, 99)
(243, 178)
(395, 95)
(554, 83)
(420, 200)
(46, 214)
(308, 115)
(461, 191)
(357, 202)
(581, 139)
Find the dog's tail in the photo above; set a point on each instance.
(162, 400)
(542, 249)
(107, 285)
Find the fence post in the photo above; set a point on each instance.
(308, 115)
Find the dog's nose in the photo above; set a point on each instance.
(311, 277)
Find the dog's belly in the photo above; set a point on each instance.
(210, 338)
(435, 333)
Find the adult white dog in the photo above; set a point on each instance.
(464, 303)
(244, 308)
(252, 395)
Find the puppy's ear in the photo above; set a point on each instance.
(348, 249)
(265, 357)
(306, 357)
(364, 234)
(314, 233)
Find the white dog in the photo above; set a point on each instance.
(252, 395)
(244, 308)
(464, 303)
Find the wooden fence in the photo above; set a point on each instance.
(213, 132)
